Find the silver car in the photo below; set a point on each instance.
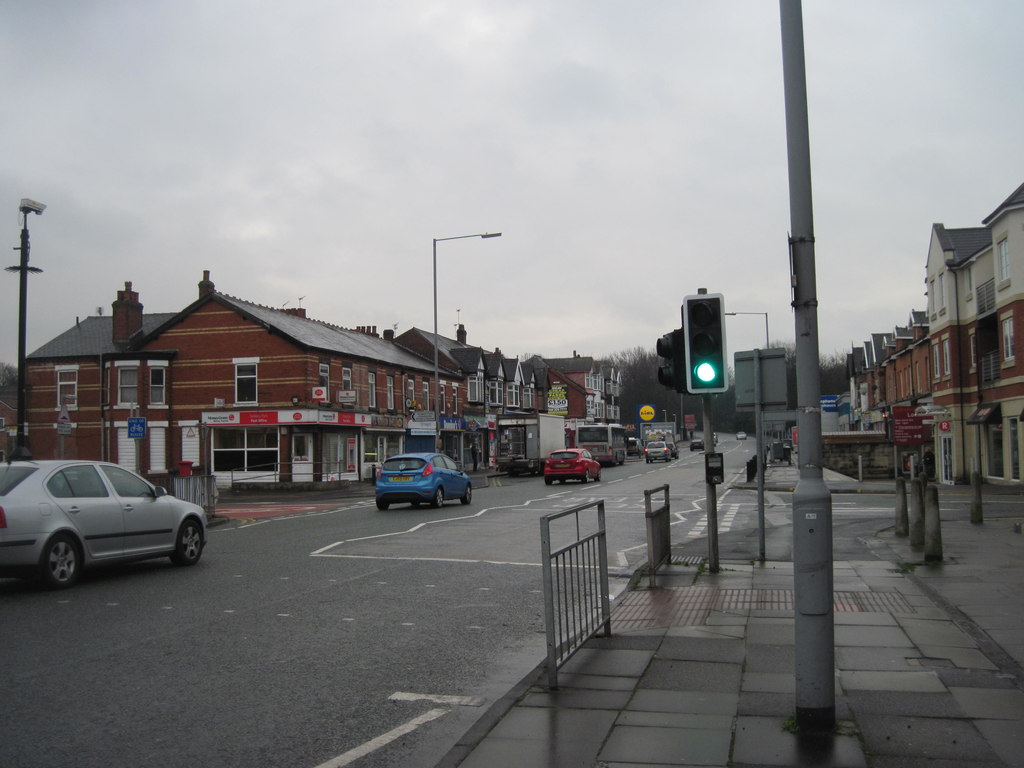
(58, 517)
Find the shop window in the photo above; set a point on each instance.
(995, 451)
(245, 450)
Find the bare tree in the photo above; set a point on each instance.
(8, 374)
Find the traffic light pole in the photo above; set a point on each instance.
(712, 490)
(812, 502)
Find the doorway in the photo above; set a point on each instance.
(946, 459)
(302, 457)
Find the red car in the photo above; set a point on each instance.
(571, 464)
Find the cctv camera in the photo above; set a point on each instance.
(31, 206)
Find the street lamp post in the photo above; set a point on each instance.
(767, 342)
(26, 207)
(437, 382)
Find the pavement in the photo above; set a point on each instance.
(698, 670)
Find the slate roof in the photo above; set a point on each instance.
(1015, 200)
(964, 242)
(468, 358)
(93, 337)
(570, 364)
(317, 334)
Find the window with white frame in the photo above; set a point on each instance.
(940, 285)
(67, 386)
(127, 386)
(494, 392)
(475, 385)
(455, 398)
(410, 388)
(528, 398)
(513, 395)
(325, 374)
(157, 386)
(442, 394)
(1008, 353)
(425, 402)
(346, 377)
(945, 356)
(1003, 249)
(931, 296)
(936, 362)
(245, 382)
(973, 344)
(371, 386)
(391, 391)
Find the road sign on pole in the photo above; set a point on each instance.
(137, 427)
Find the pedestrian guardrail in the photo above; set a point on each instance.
(576, 602)
(659, 532)
(199, 489)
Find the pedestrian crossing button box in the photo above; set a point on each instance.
(714, 468)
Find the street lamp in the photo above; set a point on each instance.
(21, 451)
(767, 342)
(437, 383)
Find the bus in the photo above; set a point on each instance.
(606, 442)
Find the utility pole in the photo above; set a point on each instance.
(812, 503)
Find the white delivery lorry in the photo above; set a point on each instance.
(525, 440)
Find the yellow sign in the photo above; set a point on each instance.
(647, 413)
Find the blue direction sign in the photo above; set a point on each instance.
(137, 427)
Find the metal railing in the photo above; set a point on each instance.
(576, 602)
(985, 295)
(659, 532)
(199, 489)
(989, 367)
(296, 471)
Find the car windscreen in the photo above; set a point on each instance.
(11, 475)
(564, 455)
(403, 464)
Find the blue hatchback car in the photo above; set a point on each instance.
(421, 478)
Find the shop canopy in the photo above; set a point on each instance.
(986, 413)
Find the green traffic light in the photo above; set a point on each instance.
(706, 372)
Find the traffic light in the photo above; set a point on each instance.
(704, 324)
(672, 349)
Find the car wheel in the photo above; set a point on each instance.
(188, 547)
(548, 480)
(586, 476)
(383, 504)
(438, 499)
(467, 497)
(598, 478)
(61, 562)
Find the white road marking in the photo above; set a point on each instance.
(437, 698)
(383, 740)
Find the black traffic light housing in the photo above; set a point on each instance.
(704, 326)
(672, 370)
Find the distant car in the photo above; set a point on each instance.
(421, 478)
(672, 449)
(60, 517)
(632, 446)
(697, 444)
(657, 450)
(571, 464)
(741, 435)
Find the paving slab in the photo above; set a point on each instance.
(667, 746)
(765, 741)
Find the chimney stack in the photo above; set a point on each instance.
(127, 314)
(389, 334)
(460, 334)
(206, 285)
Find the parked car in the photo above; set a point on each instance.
(60, 517)
(571, 464)
(673, 450)
(697, 444)
(421, 478)
(741, 435)
(657, 450)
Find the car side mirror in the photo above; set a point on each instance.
(159, 491)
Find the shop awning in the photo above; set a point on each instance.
(986, 413)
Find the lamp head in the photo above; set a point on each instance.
(31, 206)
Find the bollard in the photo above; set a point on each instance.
(932, 526)
(902, 524)
(977, 514)
(917, 513)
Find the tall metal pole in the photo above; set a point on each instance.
(710, 489)
(21, 451)
(812, 503)
(758, 430)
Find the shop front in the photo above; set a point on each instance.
(299, 444)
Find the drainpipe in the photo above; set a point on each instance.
(965, 476)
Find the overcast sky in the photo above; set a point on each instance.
(308, 152)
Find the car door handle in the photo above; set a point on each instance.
(128, 507)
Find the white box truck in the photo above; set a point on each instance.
(525, 440)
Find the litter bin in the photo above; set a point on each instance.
(751, 468)
(185, 468)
